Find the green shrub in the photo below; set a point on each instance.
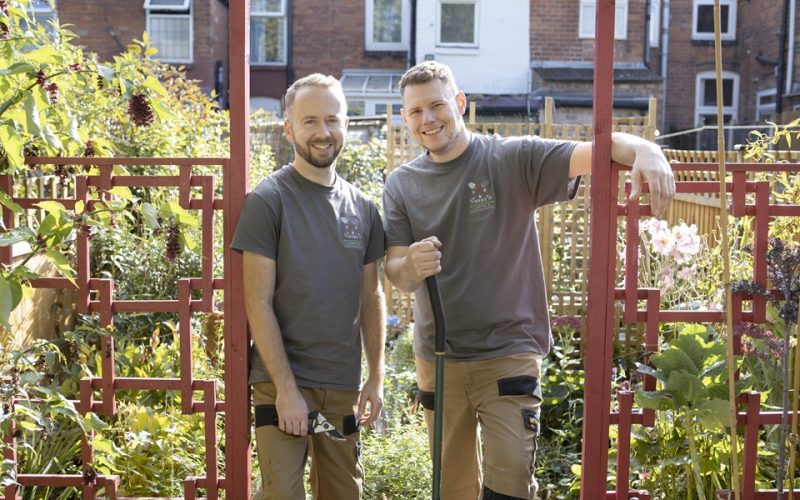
(397, 463)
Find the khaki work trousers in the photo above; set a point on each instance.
(336, 470)
(502, 397)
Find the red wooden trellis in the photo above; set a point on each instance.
(236, 406)
(96, 296)
(606, 208)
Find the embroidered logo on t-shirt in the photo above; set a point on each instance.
(481, 198)
(351, 231)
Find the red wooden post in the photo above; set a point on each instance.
(236, 173)
(599, 343)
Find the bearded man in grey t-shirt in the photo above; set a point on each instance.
(464, 210)
(311, 242)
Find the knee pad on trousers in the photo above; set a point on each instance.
(491, 495)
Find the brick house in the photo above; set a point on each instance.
(750, 55)
(562, 52)
(507, 54)
(191, 33)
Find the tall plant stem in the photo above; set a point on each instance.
(726, 255)
(785, 410)
(698, 481)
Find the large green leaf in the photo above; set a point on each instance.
(649, 370)
(17, 68)
(51, 139)
(11, 237)
(32, 122)
(52, 207)
(673, 359)
(61, 263)
(9, 203)
(714, 413)
(46, 54)
(153, 84)
(150, 216)
(106, 72)
(657, 400)
(13, 145)
(692, 345)
(6, 300)
(685, 388)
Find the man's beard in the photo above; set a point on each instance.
(307, 155)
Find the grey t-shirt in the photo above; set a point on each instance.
(320, 238)
(481, 207)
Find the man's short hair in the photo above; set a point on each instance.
(312, 80)
(427, 71)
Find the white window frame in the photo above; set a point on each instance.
(439, 42)
(405, 28)
(655, 22)
(728, 35)
(35, 11)
(762, 108)
(586, 21)
(282, 14)
(162, 12)
(700, 109)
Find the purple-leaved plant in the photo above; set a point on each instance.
(783, 271)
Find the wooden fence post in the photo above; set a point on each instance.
(650, 126)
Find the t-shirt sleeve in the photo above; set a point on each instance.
(398, 226)
(376, 246)
(258, 229)
(546, 170)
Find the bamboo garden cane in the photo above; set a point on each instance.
(726, 272)
(793, 436)
(438, 393)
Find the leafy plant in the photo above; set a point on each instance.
(558, 456)
(783, 271)
(693, 397)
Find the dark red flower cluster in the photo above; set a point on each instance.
(140, 111)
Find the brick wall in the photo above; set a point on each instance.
(554, 33)
(107, 27)
(328, 37)
(104, 27)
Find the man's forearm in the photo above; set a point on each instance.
(373, 329)
(626, 147)
(399, 277)
(269, 345)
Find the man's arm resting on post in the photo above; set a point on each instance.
(648, 162)
(373, 337)
(259, 287)
(407, 267)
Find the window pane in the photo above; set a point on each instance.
(353, 82)
(458, 23)
(265, 6)
(727, 92)
(355, 108)
(710, 92)
(154, 4)
(39, 5)
(170, 35)
(705, 18)
(766, 99)
(379, 83)
(267, 39)
(587, 20)
(387, 20)
(380, 109)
